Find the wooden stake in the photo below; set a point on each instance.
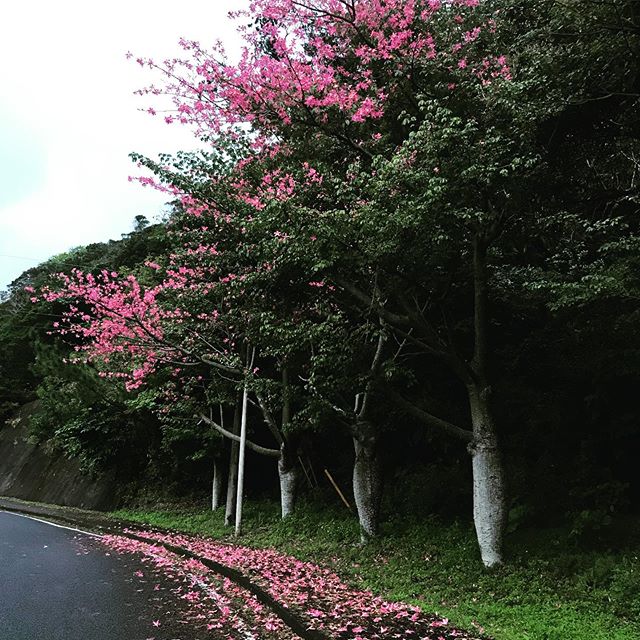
(313, 473)
(305, 472)
(337, 488)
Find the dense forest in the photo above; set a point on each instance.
(408, 256)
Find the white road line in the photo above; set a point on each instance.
(53, 524)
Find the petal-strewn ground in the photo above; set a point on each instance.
(314, 594)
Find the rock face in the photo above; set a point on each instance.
(32, 472)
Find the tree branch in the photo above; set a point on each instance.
(480, 320)
(273, 453)
(286, 397)
(375, 366)
(430, 420)
(269, 421)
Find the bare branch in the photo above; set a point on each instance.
(430, 420)
(361, 296)
(375, 366)
(269, 421)
(273, 453)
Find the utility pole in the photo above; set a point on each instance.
(243, 441)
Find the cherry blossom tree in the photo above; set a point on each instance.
(195, 317)
(349, 91)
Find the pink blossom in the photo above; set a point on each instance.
(312, 592)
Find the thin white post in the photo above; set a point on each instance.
(243, 441)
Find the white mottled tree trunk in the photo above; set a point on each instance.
(216, 486)
(489, 496)
(288, 472)
(367, 481)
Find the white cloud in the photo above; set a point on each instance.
(66, 81)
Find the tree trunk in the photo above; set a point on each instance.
(489, 496)
(367, 480)
(232, 481)
(288, 472)
(489, 508)
(216, 486)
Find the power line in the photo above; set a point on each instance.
(40, 261)
(5, 255)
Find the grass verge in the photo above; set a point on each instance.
(550, 590)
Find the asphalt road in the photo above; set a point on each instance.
(58, 584)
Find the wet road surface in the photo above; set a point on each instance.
(59, 584)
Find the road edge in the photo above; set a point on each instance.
(102, 524)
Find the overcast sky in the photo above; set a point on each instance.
(69, 119)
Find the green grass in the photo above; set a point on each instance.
(550, 590)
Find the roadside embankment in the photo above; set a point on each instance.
(31, 471)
